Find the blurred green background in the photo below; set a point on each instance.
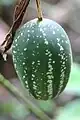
(67, 105)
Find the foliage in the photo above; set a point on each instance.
(73, 85)
(6, 2)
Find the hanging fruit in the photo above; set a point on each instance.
(42, 55)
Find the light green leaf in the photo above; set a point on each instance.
(73, 85)
(70, 112)
(16, 110)
(46, 106)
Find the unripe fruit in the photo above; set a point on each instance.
(42, 58)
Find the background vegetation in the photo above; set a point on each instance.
(67, 105)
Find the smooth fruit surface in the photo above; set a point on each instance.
(42, 58)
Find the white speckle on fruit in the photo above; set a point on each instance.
(34, 82)
(59, 55)
(25, 49)
(28, 31)
(21, 34)
(18, 37)
(46, 42)
(50, 77)
(26, 82)
(17, 71)
(24, 77)
(42, 73)
(62, 41)
(57, 29)
(50, 60)
(44, 34)
(54, 33)
(45, 39)
(32, 31)
(47, 50)
(40, 36)
(15, 65)
(61, 48)
(25, 71)
(46, 53)
(34, 87)
(25, 68)
(58, 44)
(21, 53)
(37, 36)
(66, 41)
(28, 35)
(49, 25)
(50, 66)
(66, 59)
(38, 63)
(33, 63)
(39, 92)
(27, 39)
(34, 41)
(63, 62)
(23, 63)
(58, 39)
(24, 25)
(63, 36)
(37, 53)
(23, 40)
(32, 78)
(35, 70)
(16, 45)
(37, 46)
(18, 49)
(13, 46)
(14, 52)
(53, 62)
(41, 30)
(33, 75)
(27, 86)
(16, 40)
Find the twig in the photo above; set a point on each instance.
(19, 12)
(39, 10)
(11, 88)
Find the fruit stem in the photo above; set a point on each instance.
(39, 10)
(19, 96)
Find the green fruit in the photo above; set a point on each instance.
(42, 58)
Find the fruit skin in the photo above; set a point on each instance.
(42, 58)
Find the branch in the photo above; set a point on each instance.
(12, 89)
(19, 12)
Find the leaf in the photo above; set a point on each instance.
(46, 106)
(20, 112)
(6, 2)
(16, 110)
